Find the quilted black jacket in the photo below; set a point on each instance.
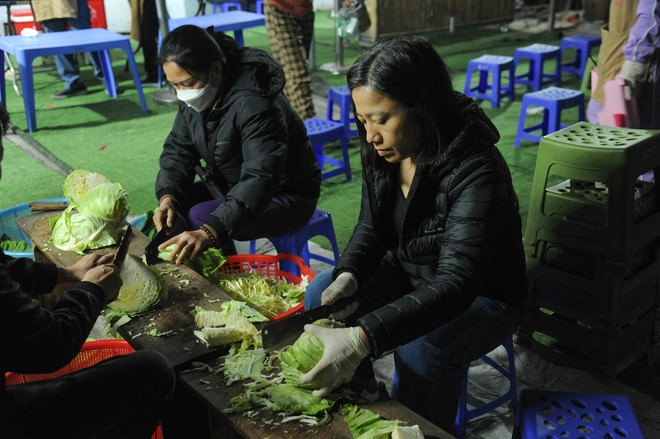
(461, 235)
(255, 146)
(32, 338)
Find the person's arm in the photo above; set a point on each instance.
(643, 40)
(262, 128)
(34, 339)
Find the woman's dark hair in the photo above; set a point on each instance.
(195, 49)
(407, 69)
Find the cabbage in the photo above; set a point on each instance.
(108, 201)
(143, 287)
(365, 424)
(230, 325)
(79, 182)
(95, 215)
(80, 231)
(294, 400)
(303, 354)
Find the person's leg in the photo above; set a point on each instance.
(149, 40)
(313, 292)
(431, 368)
(67, 66)
(84, 21)
(286, 41)
(123, 397)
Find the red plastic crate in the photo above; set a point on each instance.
(269, 266)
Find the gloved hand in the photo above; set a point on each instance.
(634, 72)
(342, 353)
(344, 286)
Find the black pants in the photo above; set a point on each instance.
(122, 397)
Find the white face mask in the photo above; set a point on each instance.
(199, 99)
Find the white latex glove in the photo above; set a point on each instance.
(344, 286)
(342, 353)
(634, 72)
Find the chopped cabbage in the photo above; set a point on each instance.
(365, 424)
(143, 287)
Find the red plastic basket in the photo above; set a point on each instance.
(92, 352)
(269, 266)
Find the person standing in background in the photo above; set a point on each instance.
(630, 50)
(59, 16)
(290, 25)
(144, 28)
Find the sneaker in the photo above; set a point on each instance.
(76, 89)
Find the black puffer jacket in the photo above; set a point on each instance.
(32, 338)
(256, 146)
(461, 235)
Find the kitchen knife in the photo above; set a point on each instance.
(151, 250)
(285, 332)
(122, 250)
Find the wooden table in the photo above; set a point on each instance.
(212, 389)
(186, 290)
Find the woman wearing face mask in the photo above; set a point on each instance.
(259, 172)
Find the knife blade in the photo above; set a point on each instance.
(280, 333)
(151, 250)
(122, 250)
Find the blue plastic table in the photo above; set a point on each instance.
(234, 21)
(26, 49)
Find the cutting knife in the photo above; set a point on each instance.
(285, 332)
(151, 250)
(122, 250)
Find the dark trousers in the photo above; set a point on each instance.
(122, 397)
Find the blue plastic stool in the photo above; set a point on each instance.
(341, 95)
(227, 6)
(296, 242)
(11, 230)
(465, 415)
(551, 414)
(259, 6)
(582, 45)
(321, 131)
(494, 66)
(537, 54)
(553, 100)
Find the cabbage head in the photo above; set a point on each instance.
(108, 201)
(80, 231)
(79, 182)
(143, 287)
(303, 354)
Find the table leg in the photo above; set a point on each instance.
(25, 70)
(136, 75)
(108, 74)
(238, 36)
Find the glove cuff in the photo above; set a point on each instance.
(358, 347)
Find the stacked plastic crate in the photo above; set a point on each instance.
(591, 242)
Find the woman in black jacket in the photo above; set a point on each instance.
(435, 265)
(260, 171)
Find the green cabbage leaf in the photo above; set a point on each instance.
(80, 231)
(79, 182)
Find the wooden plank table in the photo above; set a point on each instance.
(186, 290)
(217, 395)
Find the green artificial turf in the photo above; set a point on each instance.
(114, 137)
